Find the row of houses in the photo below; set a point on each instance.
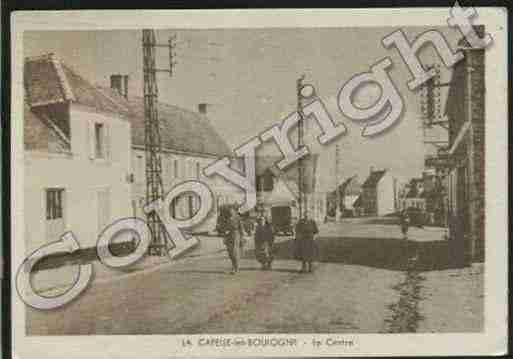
(465, 154)
(426, 194)
(376, 196)
(454, 188)
(84, 158)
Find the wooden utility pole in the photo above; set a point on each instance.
(338, 208)
(303, 210)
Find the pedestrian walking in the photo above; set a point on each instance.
(230, 226)
(404, 220)
(306, 248)
(264, 240)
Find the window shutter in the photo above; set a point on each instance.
(90, 139)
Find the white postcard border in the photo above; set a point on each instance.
(492, 341)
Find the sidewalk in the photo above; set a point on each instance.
(55, 280)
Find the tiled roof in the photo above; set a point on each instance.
(350, 186)
(373, 179)
(42, 82)
(40, 134)
(48, 81)
(181, 130)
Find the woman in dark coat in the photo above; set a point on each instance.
(306, 248)
(264, 240)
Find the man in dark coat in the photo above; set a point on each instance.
(306, 248)
(264, 240)
(231, 229)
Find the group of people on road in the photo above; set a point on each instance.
(231, 227)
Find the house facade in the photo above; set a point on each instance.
(349, 191)
(378, 196)
(465, 110)
(281, 187)
(413, 195)
(189, 144)
(76, 156)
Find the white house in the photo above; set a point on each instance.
(280, 187)
(77, 155)
(378, 195)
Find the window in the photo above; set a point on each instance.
(176, 168)
(54, 204)
(140, 168)
(99, 140)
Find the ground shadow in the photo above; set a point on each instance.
(279, 270)
(384, 253)
(203, 271)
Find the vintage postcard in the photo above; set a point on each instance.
(259, 183)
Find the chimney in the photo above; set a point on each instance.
(202, 108)
(116, 83)
(371, 169)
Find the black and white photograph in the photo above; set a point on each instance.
(259, 190)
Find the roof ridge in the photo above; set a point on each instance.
(63, 80)
(117, 104)
(39, 57)
(165, 103)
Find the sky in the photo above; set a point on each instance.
(248, 76)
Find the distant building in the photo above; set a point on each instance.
(414, 196)
(428, 194)
(378, 195)
(349, 190)
(77, 156)
(273, 189)
(465, 110)
(277, 187)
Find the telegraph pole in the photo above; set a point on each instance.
(338, 209)
(153, 141)
(305, 94)
(300, 143)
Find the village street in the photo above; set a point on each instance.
(368, 280)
